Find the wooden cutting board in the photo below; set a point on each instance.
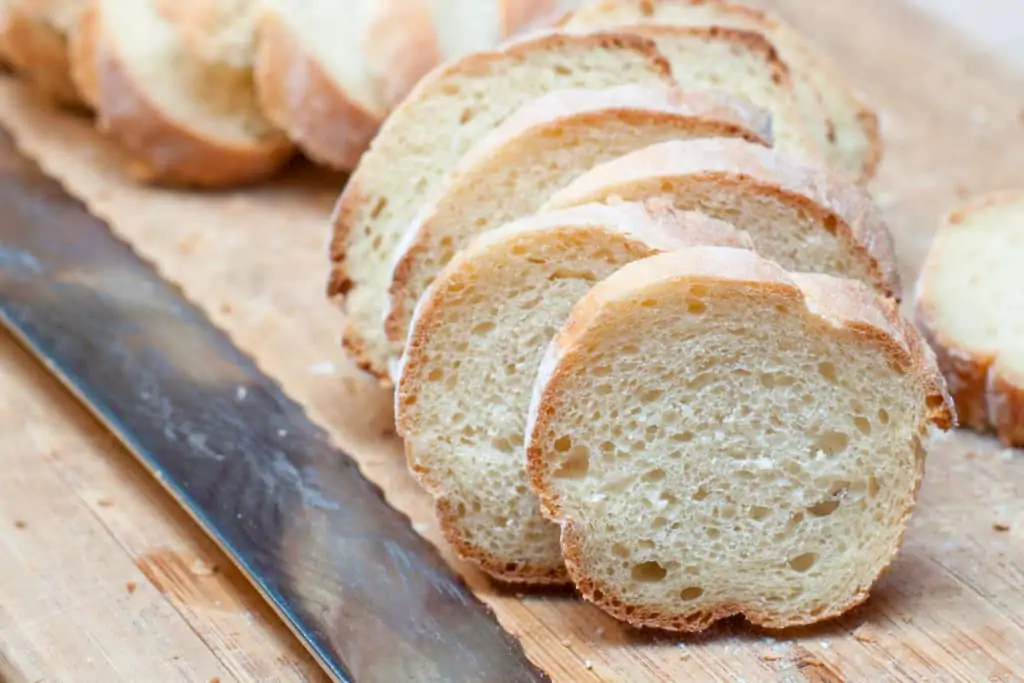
(102, 578)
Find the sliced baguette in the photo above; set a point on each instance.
(467, 26)
(465, 382)
(970, 304)
(219, 31)
(798, 214)
(34, 38)
(854, 146)
(716, 436)
(512, 171)
(743, 63)
(456, 104)
(181, 121)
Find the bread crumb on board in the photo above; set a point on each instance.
(863, 636)
(1001, 526)
(770, 656)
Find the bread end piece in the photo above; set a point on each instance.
(38, 51)
(968, 307)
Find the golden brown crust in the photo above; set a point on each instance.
(39, 52)
(843, 208)
(82, 53)
(989, 396)
(837, 302)
(327, 124)
(510, 572)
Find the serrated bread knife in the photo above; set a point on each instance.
(370, 598)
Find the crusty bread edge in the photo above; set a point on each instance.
(401, 47)
(732, 118)
(328, 125)
(901, 342)
(986, 401)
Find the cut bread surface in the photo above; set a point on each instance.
(854, 146)
(740, 62)
(181, 121)
(970, 303)
(423, 139)
(797, 214)
(542, 147)
(465, 382)
(717, 436)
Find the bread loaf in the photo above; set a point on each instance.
(970, 303)
(423, 139)
(182, 121)
(466, 378)
(854, 146)
(798, 214)
(540, 148)
(716, 436)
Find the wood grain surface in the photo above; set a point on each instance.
(102, 578)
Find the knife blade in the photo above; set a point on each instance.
(370, 598)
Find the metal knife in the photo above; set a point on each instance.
(370, 598)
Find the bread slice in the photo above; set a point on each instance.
(716, 436)
(34, 40)
(854, 146)
(327, 73)
(798, 214)
(543, 147)
(465, 383)
(181, 121)
(740, 62)
(457, 103)
(467, 26)
(970, 303)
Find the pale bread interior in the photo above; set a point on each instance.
(457, 106)
(719, 449)
(542, 147)
(466, 26)
(781, 224)
(214, 100)
(466, 380)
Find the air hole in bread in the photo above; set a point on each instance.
(649, 303)
(712, 532)
(569, 274)
(483, 328)
(691, 593)
(883, 416)
(873, 486)
(682, 437)
(603, 389)
(832, 443)
(696, 307)
(648, 572)
(619, 550)
(658, 523)
(771, 380)
(378, 208)
(563, 444)
(782, 309)
(802, 563)
(831, 223)
(435, 375)
(502, 445)
(700, 494)
(576, 465)
(758, 513)
(828, 371)
(863, 425)
(466, 115)
(824, 508)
